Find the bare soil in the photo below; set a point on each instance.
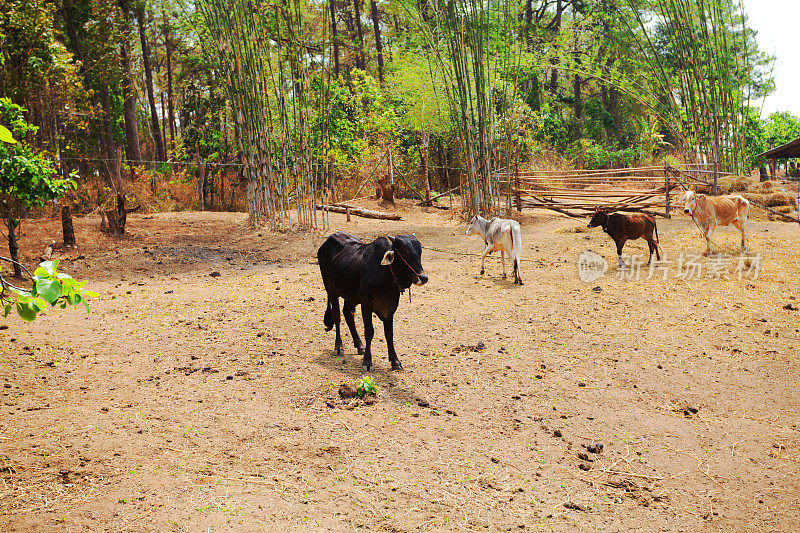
(188, 402)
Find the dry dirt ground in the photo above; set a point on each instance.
(191, 402)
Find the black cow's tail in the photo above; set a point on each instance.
(328, 320)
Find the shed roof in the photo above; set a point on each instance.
(788, 150)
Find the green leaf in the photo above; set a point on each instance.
(49, 268)
(26, 311)
(49, 290)
(91, 294)
(7, 310)
(41, 303)
(5, 135)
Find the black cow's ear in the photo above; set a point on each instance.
(388, 257)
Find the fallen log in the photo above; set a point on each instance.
(360, 212)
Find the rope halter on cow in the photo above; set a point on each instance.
(398, 254)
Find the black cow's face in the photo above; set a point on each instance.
(405, 256)
(598, 218)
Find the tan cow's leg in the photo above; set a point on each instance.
(741, 225)
(503, 260)
(708, 232)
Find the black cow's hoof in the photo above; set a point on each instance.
(338, 352)
(360, 350)
(397, 366)
(482, 272)
(504, 276)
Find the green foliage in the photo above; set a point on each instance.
(27, 179)
(50, 288)
(550, 128)
(6, 136)
(358, 116)
(762, 135)
(202, 122)
(780, 128)
(600, 122)
(421, 97)
(366, 387)
(590, 155)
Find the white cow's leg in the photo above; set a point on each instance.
(486, 252)
(503, 260)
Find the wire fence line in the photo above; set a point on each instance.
(473, 254)
(133, 162)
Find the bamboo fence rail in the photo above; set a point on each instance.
(576, 192)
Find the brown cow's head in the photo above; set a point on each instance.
(600, 218)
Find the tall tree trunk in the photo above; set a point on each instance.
(13, 245)
(556, 27)
(423, 155)
(148, 73)
(67, 229)
(528, 20)
(376, 24)
(348, 21)
(577, 101)
(107, 134)
(201, 181)
(163, 124)
(335, 37)
(360, 57)
(168, 57)
(132, 148)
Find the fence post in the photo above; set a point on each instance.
(666, 189)
(716, 174)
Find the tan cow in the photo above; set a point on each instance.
(708, 212)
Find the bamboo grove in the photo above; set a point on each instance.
(265, 54)
(704, 71)
(297, 103)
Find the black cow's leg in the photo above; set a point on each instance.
(388, 330)
(337, 319)
(369, 332)
(349, 312)
(620, 244)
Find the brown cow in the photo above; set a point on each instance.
(708, 212)
(623, 227)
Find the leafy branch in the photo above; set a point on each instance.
(49, 288)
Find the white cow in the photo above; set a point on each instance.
(708, 212)
(499, 234)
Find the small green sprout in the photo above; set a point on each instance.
(366, 387)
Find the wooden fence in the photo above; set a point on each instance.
(577, 193)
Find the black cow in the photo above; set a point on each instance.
(373, 275)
